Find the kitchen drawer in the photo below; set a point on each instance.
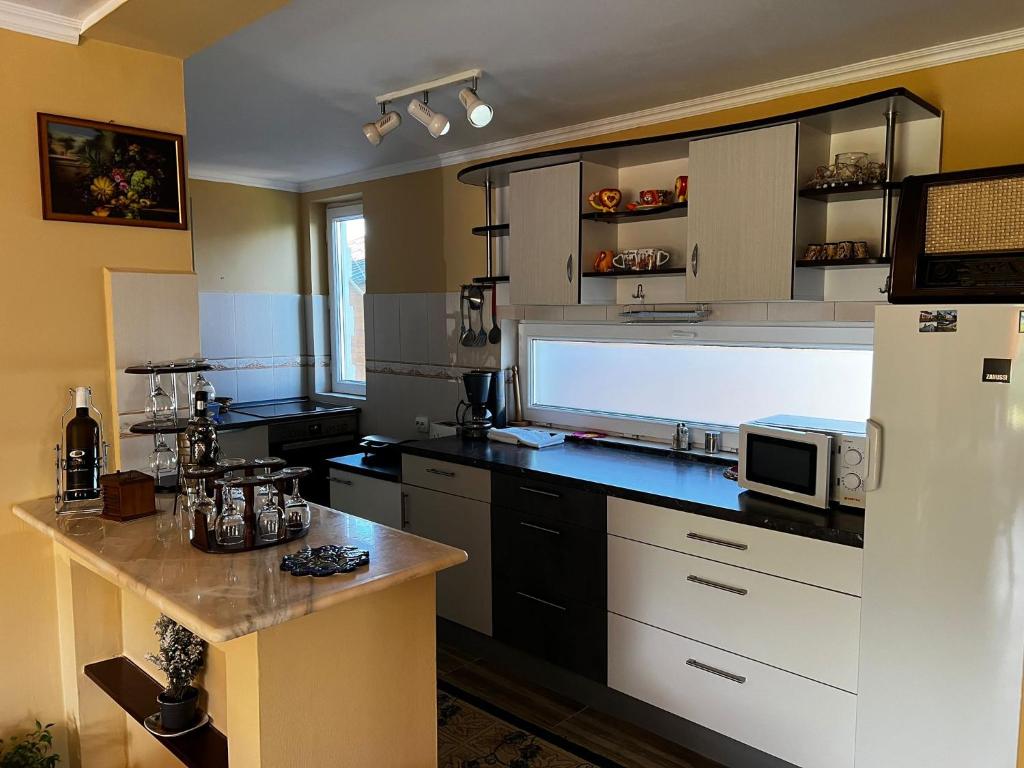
(550, 499)
(367, 497)
(569, 633)
(532, 552)
(807, 630)
(821, 563)
(798, 720)
(444, 476)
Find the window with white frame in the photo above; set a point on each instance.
(641, 380)
(346, 242)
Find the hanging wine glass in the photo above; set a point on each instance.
(204, 509)
(229, 528)
(233, 469)
(203, 385)
(268, 521)
(159, 405)
(296, 510)
(163, 460)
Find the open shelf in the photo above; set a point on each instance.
(491, 230)
(651, 273)
(671, 211)
(841, 263)
(159, 427)
(135, 692)
(491, 280)
(850, 192)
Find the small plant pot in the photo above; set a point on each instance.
(178, 715)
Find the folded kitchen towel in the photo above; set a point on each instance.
(532, 438)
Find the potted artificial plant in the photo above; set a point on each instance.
(180, 658)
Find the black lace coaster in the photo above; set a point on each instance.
(328, 560)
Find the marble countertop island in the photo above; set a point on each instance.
(224, 596)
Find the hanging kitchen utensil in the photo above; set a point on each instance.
(495, 335)
(467, 336)
(481, 337)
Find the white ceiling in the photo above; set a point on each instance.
(284, 98)
(74, 9)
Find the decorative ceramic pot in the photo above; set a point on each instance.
(178, 715)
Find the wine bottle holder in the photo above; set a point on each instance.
(216, 486)
(62, 505)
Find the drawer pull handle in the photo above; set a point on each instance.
(339, 481)
(441, 472)
(542, 602)
(719, 542)
(404, 500)
(539, 492)
(715, 671)
(716, 585)
(552, 531)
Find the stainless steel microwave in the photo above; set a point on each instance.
(806, 460)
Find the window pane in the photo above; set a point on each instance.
(713, 384)
(349, 257)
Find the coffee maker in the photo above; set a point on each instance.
(472, 415)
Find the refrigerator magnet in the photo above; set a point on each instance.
(937, 321)
(995, 370)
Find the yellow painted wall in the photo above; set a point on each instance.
(245, 238)
(984, 120)
(52, 321)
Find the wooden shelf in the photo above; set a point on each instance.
(841, 263)
(851, 192)
(490, 280)
(627, 275)
(671, 211)
(493, 230)
(135, 692)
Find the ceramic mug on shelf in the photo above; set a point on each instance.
(654, 197)
(641, 259)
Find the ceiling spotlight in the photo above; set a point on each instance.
(478, 112)
(381, 127)
(436, 123)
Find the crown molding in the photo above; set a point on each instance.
(197, 173)
(933, 56)
(100, 12)
(32, 21)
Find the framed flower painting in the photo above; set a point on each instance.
(103, 173)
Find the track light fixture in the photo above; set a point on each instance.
(436, 123)
(478, 112)
(382, 126)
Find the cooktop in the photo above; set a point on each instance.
(285, 409)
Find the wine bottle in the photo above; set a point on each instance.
(201, 435)
(82, 451)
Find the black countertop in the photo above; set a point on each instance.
(665, 480)
(386, 469)
(236, 419)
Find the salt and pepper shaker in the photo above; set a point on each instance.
(712, 441)
(681, 438)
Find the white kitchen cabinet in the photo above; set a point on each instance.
(371, 498)
(803, 722)
(544, 239)
(742, 198)
(463, 592)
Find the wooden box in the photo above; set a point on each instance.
(128, 495)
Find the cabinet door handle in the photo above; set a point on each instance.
(542, 602)
(716, 585)
(405, 514)
(339, 481)
(694, 260)
(716, 671)
(568, 268)
(441, 472)
(539, 492)
(717, 542)
(552, 531)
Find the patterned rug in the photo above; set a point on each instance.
(478, 735)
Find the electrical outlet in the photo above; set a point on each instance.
(422, 424)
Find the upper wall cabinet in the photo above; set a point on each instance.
(742, 200)
(544, 252)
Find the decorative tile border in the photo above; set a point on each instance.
(268, 363)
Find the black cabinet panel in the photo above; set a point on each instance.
(571, 634)
(536, 552)
(551, 500)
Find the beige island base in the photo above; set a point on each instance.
(301, 671)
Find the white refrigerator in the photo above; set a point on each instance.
(942, 624)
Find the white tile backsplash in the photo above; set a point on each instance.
(286, 322)
(217, 324)
(368, 326)
(437, 331)
(387, 342)
(224, 382)
(413, 335)
(254, 327)
(287, 380)
(256, 383)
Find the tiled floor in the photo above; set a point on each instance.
(614, 739)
